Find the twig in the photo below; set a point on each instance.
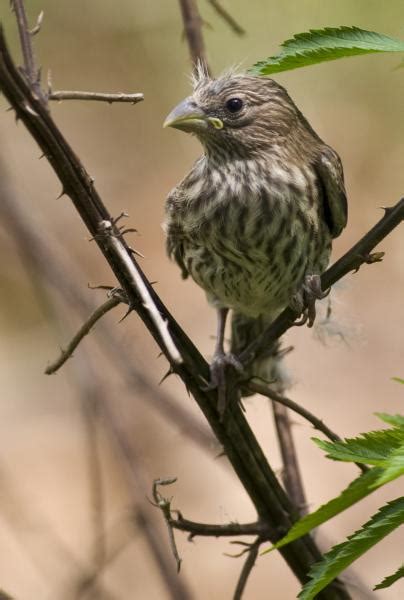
(193, 30)
(25, 34)
(217, 530)
(227, 17)
(98, 96)
(165, 505)
(352, 260)
(82, 332)
(291, 476)
(134, 276)
(247, 568)
(265, 390)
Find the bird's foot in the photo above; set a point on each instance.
(304, 301)
(221, 361)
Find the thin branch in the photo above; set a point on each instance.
(201, 529)
(227, 17)
(134, 276)
(98, 96)
(291, 476)
(25, 34)
(193, 31)
(247, 568)
(217, 530)
(352, 260)
(82, 332)
(165, 505)
(265, 390)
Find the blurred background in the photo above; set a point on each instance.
(74, 518)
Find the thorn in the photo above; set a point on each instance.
(42, 156)
(136, 252)
(128, 230)
(119, 217)
(62, 193)
(167, 375)
(130, 309)
(38, 24)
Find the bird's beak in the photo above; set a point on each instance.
(187, 116)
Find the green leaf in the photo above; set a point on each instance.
(371, 448)
(320, 45)
(342, 555)
(394, 467)
(398, 379)
(395, 420)
(358, 489)
(388, 581)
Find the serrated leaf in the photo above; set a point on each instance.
(388, 518)
(395, 420)
(320, 45)
(371, 448)
(393, 468)
(388, 581)
(358, 489)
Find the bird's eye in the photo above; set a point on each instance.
(234, 105)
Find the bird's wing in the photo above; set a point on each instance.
(175, 234)
(331, 177)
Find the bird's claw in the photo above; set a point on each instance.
(217, 369)
(305, 300)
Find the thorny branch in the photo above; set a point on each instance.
(117, 247)
(82, 332)
(194, 529)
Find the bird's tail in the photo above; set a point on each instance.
(267, 367)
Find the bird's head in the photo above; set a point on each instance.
(242, 114)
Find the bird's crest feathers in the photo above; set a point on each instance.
(201, 76)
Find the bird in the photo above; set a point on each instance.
(253, 221)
